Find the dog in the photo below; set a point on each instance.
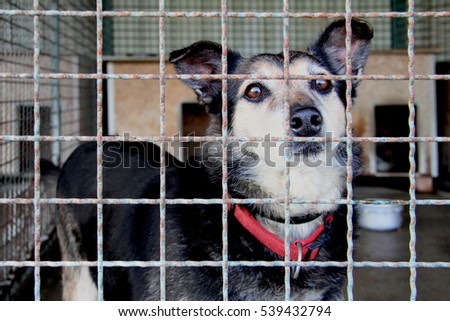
(255, 231)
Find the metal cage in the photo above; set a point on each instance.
(52, 98)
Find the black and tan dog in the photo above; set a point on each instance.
(255, 232)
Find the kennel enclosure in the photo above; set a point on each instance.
(69, 71)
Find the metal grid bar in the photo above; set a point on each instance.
(212, 201)
(37, 157)
(37, 201)
(216, 77)
(99, 20)
(349, 147)
(287, 181)
(218, 14)
(144, 264)
(224, 129)
(412, 151)
(162, 173)
(170, 139)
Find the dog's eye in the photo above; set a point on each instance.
(322, 85)
(254, 91)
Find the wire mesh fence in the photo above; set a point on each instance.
(138, 36)
(52, 98)
(64, 46)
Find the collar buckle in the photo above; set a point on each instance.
(297, 268)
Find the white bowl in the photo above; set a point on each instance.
(385, 217)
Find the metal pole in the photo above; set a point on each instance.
(56, 94)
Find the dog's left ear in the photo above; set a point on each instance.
(331, 48)
(203, 57)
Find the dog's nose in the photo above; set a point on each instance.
(306, 121)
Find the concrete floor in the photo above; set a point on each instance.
(432, 245)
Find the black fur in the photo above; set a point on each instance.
(194, 232)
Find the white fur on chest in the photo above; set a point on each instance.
(296, 231)
(308, 184)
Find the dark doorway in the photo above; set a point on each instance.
(392, 121)
(195, 123)
(443, 117)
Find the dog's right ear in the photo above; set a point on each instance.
(203, 57)
(331, 46)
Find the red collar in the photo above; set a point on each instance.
(310, 246)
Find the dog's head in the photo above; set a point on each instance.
(257, 106)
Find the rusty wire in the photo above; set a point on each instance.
(37, 75)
